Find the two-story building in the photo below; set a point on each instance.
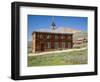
(48, 41)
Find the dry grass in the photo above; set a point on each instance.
(64, 58)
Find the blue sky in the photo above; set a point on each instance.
(36, 22)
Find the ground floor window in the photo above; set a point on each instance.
(69, 44)
(48, 45)
(56, 45)
(63, 45)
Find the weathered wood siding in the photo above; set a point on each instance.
(55, 41)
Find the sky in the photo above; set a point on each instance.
(37, 22)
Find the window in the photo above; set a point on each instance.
(48, 45)
(69, 44)
(41, 36)
(48, 36)
(63, 44)
(38, 36)
(69, 37)
(56, 44)
(56, 37)
(62, 37)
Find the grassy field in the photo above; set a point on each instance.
(64, 58)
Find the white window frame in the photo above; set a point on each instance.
(48, 45)
(63, 45)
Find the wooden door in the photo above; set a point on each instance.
(42, 47)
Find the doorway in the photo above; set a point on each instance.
(42, 47)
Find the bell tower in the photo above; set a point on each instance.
(53, 25)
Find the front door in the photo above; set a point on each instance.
(42, 47)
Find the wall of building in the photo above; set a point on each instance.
(51, 41)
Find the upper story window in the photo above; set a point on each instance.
(41, 36)
(56, 36)
(38, 36)
(48, 36)
(69, 37)
(62, 37)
